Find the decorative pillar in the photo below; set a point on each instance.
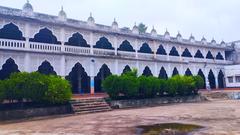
(168, 51)
(92, 65)
(207, 83)
(62, 66)
(27, 36)
(62, 37)
(27, 62)
(216, 82)
(91, 43)
(136, 48)
(115, 45)
(155, 50)
(116, 66)
(156, 69)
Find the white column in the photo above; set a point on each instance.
(137, 66)
(27, 36)
(92, 72)
(91, 43)
(116, 67)
(155, 50)
(62, 66)
(168, 51)
(216, 82)
(27, 62)
(62, 38)
(115, 44)
(136, 48)
(156, 70)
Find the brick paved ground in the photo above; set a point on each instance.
(219, 118)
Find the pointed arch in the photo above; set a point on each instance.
(103, 43)
(79, 80)
(8, 68)
(200, 73)
(45, 36)
(186, 53)
(163, 74)
(145, 48)
(147, 72)
(211, 79)
(126, 69)
(126, 46)
(77, 40)
(198, 54)
(174, 52)
(11, 31)
(46, 68)
(161, 50)
(102, 74)
(175, 72)
(221, 79)
(188, 72)
(209, 55)
(219, 56)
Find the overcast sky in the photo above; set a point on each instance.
(210, 18)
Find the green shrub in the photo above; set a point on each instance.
(148, 86)
(2, 91)
(171, 87)
(129, 85)
(199, 82)
(59, 90)
(112, 85)
(162, 87)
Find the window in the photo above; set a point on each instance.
(230, 79)
(238, 79)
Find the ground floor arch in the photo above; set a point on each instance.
(200, 73)
(211, 79)
(8, 68)
(221, 83)
(79, 80)
(101, 75)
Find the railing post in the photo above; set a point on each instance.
(27, 44)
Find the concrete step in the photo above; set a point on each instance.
(91, 105)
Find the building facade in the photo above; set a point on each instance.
(85, 52)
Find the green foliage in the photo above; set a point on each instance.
(59, 90)
(1, 91)
(199, 82)
(35, 87)
(142, 28)
(128, 85)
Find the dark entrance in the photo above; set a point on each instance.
(163, 74)
(200, 73)
(102, 74)
(175, 72)
(221, 79)
(8, 68)
(211, 79)
(46, 68)
(79, 80)
(126, 69)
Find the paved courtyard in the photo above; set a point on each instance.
(219, 118)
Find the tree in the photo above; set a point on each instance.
(142, 28)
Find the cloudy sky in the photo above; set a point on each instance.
(210, 18)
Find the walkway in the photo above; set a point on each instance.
(220, 117)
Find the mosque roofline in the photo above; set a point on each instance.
(13, 12)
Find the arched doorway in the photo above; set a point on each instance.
(102, 74)
(175, 72)
(147, 72)
(188, 72)
(163, 74)
(8, 68)
(211, 79)
(79, 80)
(200, 73)
(126, 69)
(220, 79)
(46, 68)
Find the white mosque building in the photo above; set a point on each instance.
(85, 52)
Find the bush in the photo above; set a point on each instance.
(112, 85)
(148, 86)
(35, 87)
(199, 82)
(1, 91)
(59, 90)
(129, 85)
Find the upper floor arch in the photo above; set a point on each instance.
(103, 43)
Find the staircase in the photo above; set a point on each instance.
(89, 105)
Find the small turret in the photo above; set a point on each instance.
(27, 8)
(62, 16)
(115, 24)
(153, 32)
(167, 34)
(135, 29)
(91, 20)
